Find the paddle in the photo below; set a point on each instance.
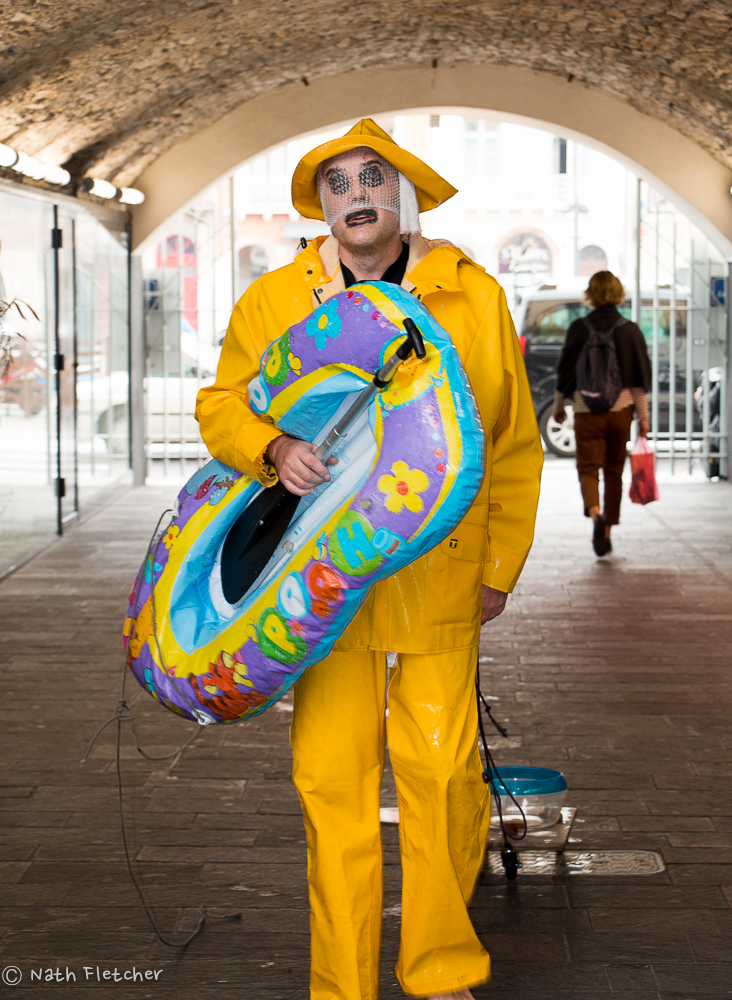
(257, 532)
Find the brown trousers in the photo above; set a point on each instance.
(601, 440)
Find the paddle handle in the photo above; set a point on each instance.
(384, 375)
(337, 433)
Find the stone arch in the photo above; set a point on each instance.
(688, 175)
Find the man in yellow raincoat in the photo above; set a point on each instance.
(370, 191)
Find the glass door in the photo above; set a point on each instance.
(64, 357)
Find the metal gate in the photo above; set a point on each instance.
(685, 320)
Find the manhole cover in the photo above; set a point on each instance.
(582, 863)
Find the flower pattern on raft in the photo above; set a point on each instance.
(403, 487)
(170, 536)
(325, 322)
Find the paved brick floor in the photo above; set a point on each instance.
(615, 671)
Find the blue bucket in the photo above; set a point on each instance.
(528, 780)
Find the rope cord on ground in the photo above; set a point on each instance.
(491, 774)
(123, 713)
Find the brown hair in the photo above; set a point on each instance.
(604, 289)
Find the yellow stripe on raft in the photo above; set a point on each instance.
(292, 393)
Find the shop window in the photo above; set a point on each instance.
(525, 253)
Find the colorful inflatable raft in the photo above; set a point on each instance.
(407, 473)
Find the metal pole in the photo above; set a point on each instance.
(672, 355)
(183, 401)
(214, 226)
(690, 325)
(75, 363)
(637, 288)
(656, 319)
(575, 208)
(93, 381)
(57, 363)
(725, 408)
(137, 374)
(706, 443)
(181, 398)
(707, 291)
(233, 242)
(128, 234)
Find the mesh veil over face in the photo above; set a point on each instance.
(361, 179)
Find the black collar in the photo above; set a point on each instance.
(394, 273)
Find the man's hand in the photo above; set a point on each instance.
(560, 416)
(298, 469)
(643, 428)
(493, 602)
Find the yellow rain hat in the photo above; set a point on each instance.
(432, 190)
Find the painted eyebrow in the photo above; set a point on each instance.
(337, 169)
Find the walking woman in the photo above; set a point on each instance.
(605, 371)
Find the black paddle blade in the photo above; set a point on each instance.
(253, 538)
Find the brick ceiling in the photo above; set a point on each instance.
(105, 86)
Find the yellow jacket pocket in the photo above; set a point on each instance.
(469, 540)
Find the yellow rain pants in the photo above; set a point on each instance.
(338, 738)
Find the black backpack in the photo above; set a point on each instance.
(598, 373)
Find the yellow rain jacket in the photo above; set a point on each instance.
(433, 604)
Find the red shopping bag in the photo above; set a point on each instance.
(643, 487)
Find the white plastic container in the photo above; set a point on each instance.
(539, 791)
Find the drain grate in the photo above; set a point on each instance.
(582, 863)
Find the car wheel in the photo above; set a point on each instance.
(559, 438)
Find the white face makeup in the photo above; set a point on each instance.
(355, 184)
